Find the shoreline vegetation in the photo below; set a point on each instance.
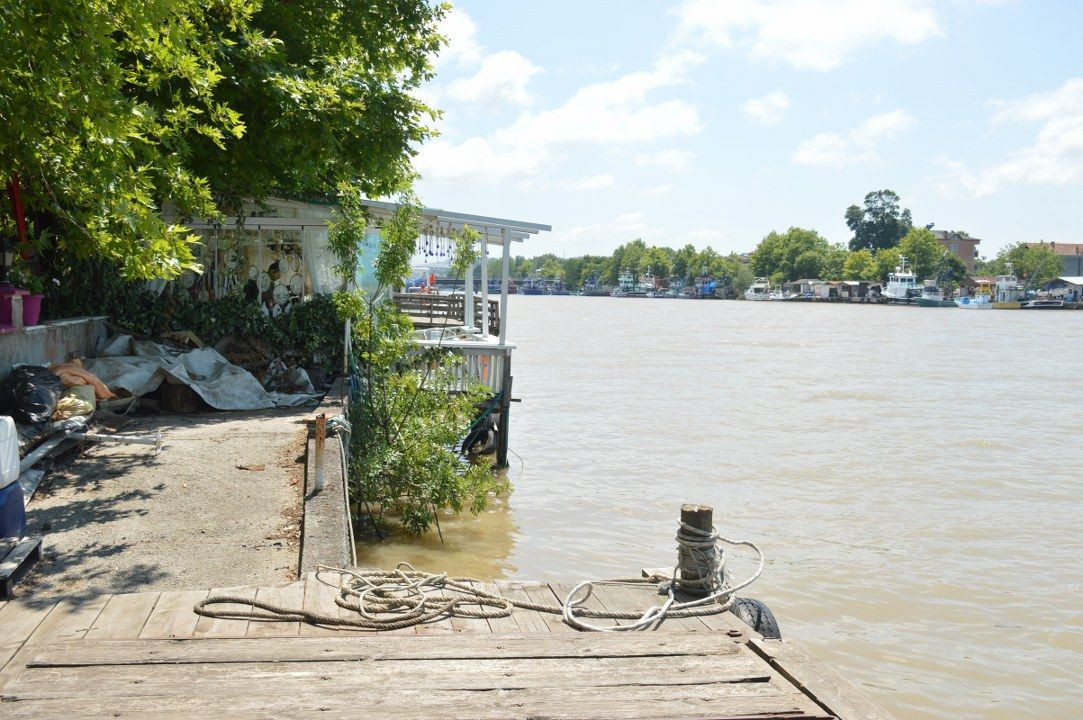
(883, 233)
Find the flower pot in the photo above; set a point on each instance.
(6, 293)
(32, 309)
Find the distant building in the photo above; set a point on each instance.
(959, 243)
(1071, 255)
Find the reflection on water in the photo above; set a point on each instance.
(481, 545)
(911, 473)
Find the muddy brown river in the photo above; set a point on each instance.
(912, 474)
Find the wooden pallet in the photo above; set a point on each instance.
(18, 556)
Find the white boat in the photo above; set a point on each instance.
(978, 302)
(759, 290)
(902, 285)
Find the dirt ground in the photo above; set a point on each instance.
(219, 506)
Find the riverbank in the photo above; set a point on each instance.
(220, 505)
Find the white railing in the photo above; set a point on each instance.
(482, 362)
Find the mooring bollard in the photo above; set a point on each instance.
(694, 574)
(321, 433)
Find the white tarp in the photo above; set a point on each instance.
(140, 366)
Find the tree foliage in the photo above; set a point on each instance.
(923, 252)
(406, 419)
(1035, 263)
(115, 109)
(880, 224)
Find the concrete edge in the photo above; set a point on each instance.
(326, 530)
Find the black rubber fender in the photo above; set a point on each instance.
(758, 616)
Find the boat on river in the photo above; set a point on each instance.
(759, 290)
(1008, 293)
(978, 302)
(1044, 304)
(902, 285)
(932, 296)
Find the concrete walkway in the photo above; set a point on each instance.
(219, 506)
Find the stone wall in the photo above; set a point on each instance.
(51, 343)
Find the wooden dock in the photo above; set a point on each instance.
(149, 655)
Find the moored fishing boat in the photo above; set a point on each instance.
(978, 302)
(902, 285)
(759, 290)
(932, 296)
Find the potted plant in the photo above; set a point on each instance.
(23, 277)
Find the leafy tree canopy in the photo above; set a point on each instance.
(880, 223)
(114, 109)
(923, 252)
(1036, 264)
(791, 255)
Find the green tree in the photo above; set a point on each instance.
(114, 109)
(880, 223)
(551, 269)
(408, 413)
(886, 261)
(923, 252)
(860, 265)
(683, 262)
(1035, 263)
(777, 254)
(656, 261)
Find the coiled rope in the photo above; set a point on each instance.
(404, 597)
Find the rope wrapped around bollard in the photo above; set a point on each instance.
(404, 597)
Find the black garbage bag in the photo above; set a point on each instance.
(29, 395)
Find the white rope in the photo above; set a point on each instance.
(700, 549)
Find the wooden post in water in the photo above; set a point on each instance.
(690, 576)
(505, 419)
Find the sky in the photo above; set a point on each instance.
(714, 122)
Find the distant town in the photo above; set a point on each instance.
(888, 259)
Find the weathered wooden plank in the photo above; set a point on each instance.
(172, 616)
(561, 590)
(123, 616)
(817, 680)
(376, 647)
(422, 675)
(638, 599)
(290, 596)
(542, 594)
(18, 620)
(501, 625)
(471, 626)
(327, 698)
(225, 627)
(66, 620)
(320, 597)
(529, 621)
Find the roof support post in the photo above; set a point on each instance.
(505, 262)
(485, 284)
(468, 298)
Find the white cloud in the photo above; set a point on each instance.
(672, 160)
(476, 159)
(766, 110)
(1055, 157)
(503, 76)
(655, 190)
(462, 39)
(855, 146)
(604, 236)
(818, 34)
(594, 182)
(613, 112)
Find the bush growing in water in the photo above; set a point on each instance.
(406, 421)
